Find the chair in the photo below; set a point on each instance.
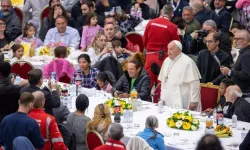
(20, 14)
(135, 42)
(65, 79)
(93, 140)
(157, 93)
(209, 95)
(21, 68)
(44, 13)
(136, 143)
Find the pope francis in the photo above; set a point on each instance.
(180, 79)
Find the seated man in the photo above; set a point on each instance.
(192, 23)
(239, 105)
(20, 124)
(35, 78)
(62, 35)
(13, 22)
(109, 31)
(115, 133)
(210, 60)
(135, 78)
(48, 129)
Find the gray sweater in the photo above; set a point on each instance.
(78, 124)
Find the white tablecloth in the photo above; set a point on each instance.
(151, 109)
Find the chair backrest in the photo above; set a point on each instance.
(21, 68)
(209, 95)
(157, 93)
(65, 79)
(135, 42)
(93, 140)
(44, 13)
(138, 143)
(20, 14)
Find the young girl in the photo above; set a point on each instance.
(17, 53)
(104, 82)
(29, 35)
(90, 30)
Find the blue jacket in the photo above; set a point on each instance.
(156, 143)
(222, 19)
(178, 10)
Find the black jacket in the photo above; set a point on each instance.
(52, 99)
(141, 84)
(76, 10)
(245, 145)
(68, 136)
(178, 10)
(144, 8)
(241, 71)
(61, 113)
(222, 19)
(203, 16)
(13, 25)
(9, 96)
(209, 68)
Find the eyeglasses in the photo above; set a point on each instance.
(237, 39)
(208, 42)
(2, 24)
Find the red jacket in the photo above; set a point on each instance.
(49, 130)
(112, 145)
(158, 33)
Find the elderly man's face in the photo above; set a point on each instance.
(239, 41)
(187, 15)
(61, 24)
(173, 50)
(6, 7)
(208, 28)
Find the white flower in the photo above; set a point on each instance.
(193, 127)
(195, 121)
(178, 124)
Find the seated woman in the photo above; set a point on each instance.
(98, 49)
(101, 121)
(87, 74)
(151, 136)
(17, 53)
(223, 86)
(77, 121)
(208, 142)
(49, 22)
(104, 82)
(135, 78)
(59, 65)
(5, 39)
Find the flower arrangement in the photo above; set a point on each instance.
(46, 51)
(123, 103)
(183, 121)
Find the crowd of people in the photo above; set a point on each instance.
(186, 43)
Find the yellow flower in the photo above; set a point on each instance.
(186, 125)
(179, 116)
(129, 106)
(171, 123)
(189, 118)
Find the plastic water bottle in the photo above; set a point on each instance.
(69, 102)
(139, 13)
(132, 11)
(131, 115)
(214, 115)
(53, 77)
(125, 116)
(243, 134)
(160, 106)
(234, 121)
(220, 121)
(17, 80)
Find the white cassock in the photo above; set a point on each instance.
(180, 82)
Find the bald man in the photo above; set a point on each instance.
(237, 104)
(241, 71)
(180, 79)
(47, 123)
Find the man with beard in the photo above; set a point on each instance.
(12, 20)
(20, 124)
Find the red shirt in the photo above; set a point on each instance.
(112, 145)
(158, 33)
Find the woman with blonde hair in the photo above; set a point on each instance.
(99, 48)
(101, 121)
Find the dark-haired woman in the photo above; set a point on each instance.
(87, 74)
(49, 22)
(136, 77)
(77, 121)
(4, 38)
(151, 136)
(104, 82)
(208, 142)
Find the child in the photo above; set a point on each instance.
(90, 30)
(104, 82)
(28, 36)
(17, 53)
(223, 86)
(121, 53)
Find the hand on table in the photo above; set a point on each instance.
(209, 111)
(192, 106)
